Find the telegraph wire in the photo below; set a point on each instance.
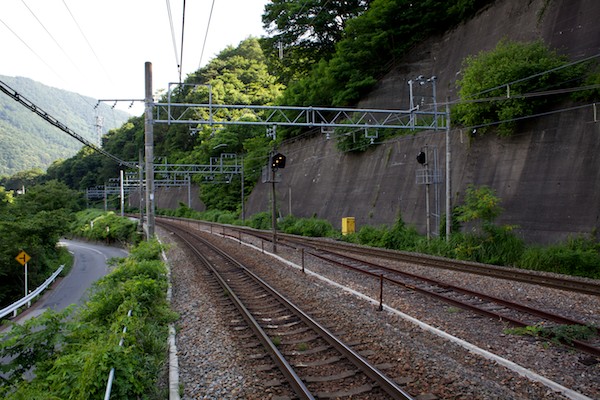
(33, 51)
(173, 38)
(88, 42)
(51, 36)
(182, 35)
(53, 121)
(206, 34)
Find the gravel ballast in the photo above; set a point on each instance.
(213, 362)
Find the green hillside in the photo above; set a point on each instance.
(27, 141)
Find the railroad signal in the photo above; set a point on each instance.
(421, 158)
(278, 161)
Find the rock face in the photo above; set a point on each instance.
(547, 174)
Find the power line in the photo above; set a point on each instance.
(173, 38)
(206, 34)
(88, 42)
(53, 121)
(51, 36)
(58, 45)
(33, 51)
(182, 35)
(543, 114)
(528, 95)
(536, 75)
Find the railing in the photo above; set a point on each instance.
(111, 375)
(16, 305)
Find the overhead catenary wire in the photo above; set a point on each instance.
(182, 36)
(53, 121)
(173, 38)
(212, 6)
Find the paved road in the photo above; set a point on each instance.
(89, 266)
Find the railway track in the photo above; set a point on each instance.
(563, 282)
(516, 314)
(313, 361)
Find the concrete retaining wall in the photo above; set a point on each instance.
(547, 175)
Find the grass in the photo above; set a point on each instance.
(557, 334)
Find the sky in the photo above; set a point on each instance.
(98, 48)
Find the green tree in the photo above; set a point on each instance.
(493, 81)
(480, 203)
(33, 222)
(370, 44)
(23, 179)
(238, 75)
(307, 31)
(492, 244)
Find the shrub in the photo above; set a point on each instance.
(312, 227)
(371, 236)
(578, 256)
(261, 220)
(105, 226)
(496, 245)
(509, 62)
(72, 355)
(400, 237)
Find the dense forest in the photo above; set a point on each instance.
(321, 54)
(33, 222)
(328, 51)
(28, 142)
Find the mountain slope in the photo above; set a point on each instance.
(547, 174)
(27, 141)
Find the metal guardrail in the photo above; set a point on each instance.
(111, 375)
(16, 305)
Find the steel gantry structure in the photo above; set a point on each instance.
(273, 116)
(293, 116)
(170, 175)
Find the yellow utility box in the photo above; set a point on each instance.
(347, 225)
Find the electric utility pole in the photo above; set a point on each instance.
(149, 146)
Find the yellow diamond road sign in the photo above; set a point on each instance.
(23, 258)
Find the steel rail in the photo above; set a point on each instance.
(575, 343)
(297, 384)
(386, 384)
(563, 282)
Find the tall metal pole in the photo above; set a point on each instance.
(122, 193)
(141, 179)
(412, 103)
(26, 284)
(243, 207)
(189, 190)
(149, 147)
(274, 211)
(448, 190)
(427, 209)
